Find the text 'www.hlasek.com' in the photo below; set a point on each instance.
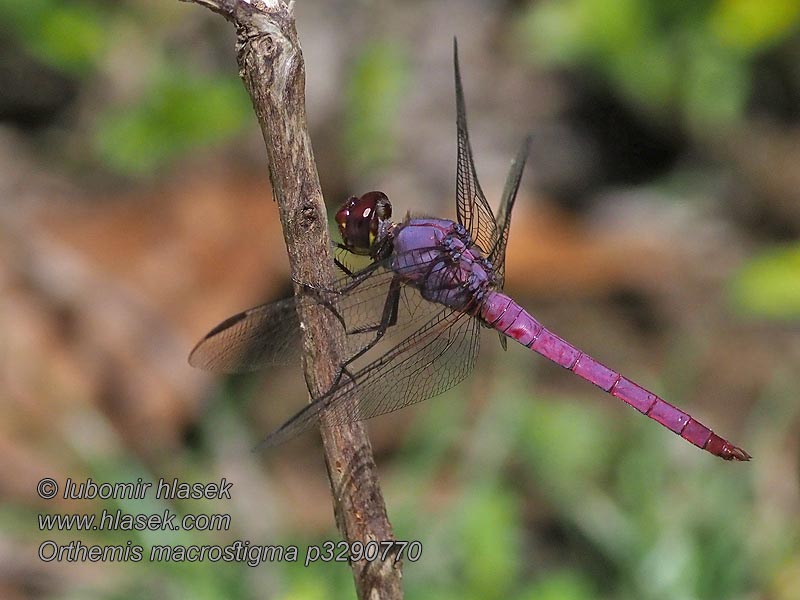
(167, 520)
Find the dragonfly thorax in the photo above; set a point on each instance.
(365, 222)
(438, 257)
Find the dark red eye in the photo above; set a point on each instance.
(359, 220)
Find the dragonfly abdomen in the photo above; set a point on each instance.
(502, 313)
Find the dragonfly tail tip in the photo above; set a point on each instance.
(736, 453)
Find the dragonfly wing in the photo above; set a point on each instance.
(439, 352)
(497, 256)
(472, 209)
(270, 334)
(259, 336)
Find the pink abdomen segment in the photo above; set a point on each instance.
(502, 313)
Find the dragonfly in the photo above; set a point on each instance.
(411, 319)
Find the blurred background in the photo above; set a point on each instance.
(657, 229)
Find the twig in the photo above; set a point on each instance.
(271, 66)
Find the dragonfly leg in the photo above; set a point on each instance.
(343, 371)
(318, 291)
(324, 302)
(314, 289)
(340, 265)
(357, 279)
(388, 319)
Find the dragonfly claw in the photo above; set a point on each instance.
(310, 288)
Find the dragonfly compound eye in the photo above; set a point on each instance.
(360, 218)
(343, 214)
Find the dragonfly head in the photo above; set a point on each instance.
(362, 220)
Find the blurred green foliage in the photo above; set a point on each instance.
(69, 35)
(768, 285)
(751, 25)
(178, 113)
(375, 87)
(174, 109)
(177, 110)
(687, 57)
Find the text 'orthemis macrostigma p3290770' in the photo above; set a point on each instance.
(411, 319)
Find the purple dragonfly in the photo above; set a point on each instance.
(411, 319)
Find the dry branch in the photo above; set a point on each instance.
(271, 66)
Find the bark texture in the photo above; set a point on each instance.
(272, 68)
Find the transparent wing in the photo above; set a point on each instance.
(270, 334)
(439, 352)
(497, 256)
(260, 336)
(472, 209)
